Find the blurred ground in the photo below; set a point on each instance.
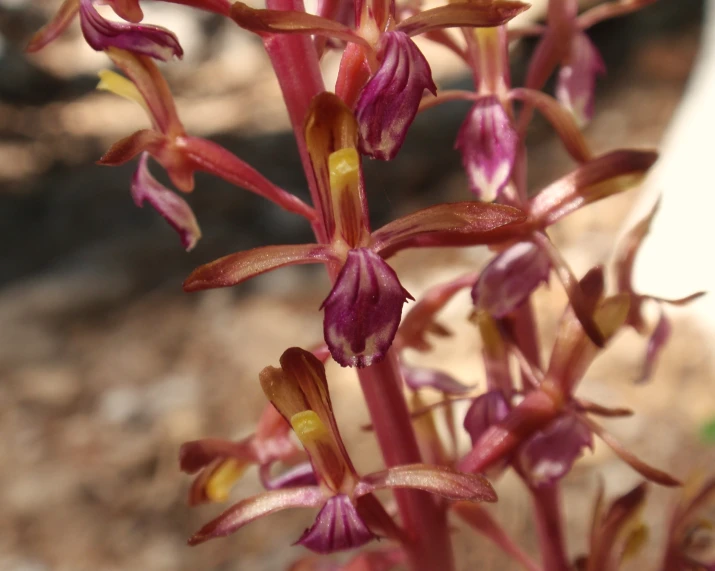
(106, 366)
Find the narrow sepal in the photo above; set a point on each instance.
(599, 178)
(549, 454)
(236, 268)
(478, 222)
(54, 28)
(337, 527)
(250, 509)
(609, 10)
(648, 472)
(389, 101)
(417, 378)
(462, 15)
(440, 480)
(488, 143)
(129, 147)
(362, 311)
(576, 82)
(145, 75)
(291, 22)
(174, 209)
(560, 119)
(151, 41)
(510, 278)
(207, 156)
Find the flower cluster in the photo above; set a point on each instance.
(533, 423)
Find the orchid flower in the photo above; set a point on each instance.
(548, 429)
(219, 463)
(349, 515)
(181, 155)
(625, 262)
(101, 33)
(363, 310)
(565, 43)
(383, 73)
(690, 530)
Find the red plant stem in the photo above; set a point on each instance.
(423, 519)
(549, 527)
(296, 65)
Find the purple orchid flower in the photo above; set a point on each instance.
(363, 310)
(389, 101)
(488, 143)
(349, 515)
(172, 207)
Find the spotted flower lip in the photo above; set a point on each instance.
(172, 207)
(510, 278)
(363, 310)
(576, 83)
(488, 143)
(389, 101)
(152, 41)
(337, 527)
(549, 454)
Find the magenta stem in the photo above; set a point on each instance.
(296, 65)
(549, 527)
(295, 62)
(423, 519)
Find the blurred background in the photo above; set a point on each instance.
(106, 366)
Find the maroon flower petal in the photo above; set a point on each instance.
(54, 27)
(467, 223)
(599, 178)
(299, 475)
(560, 119)
(462, 15)
(291, 22)
(576, 84)
(488, 143)
(363, 310)
(151, 41)
(549, 454)
(419, 378)
(235, 268)
(337, 527)
(172, 207)
(656, 342)
(486, 410)
(389, 101)
(510, 278)
(250, 509)
(440, 480)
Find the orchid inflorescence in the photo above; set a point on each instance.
(534, 424)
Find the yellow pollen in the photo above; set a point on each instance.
(219, 485)
(309, 428)
(344, 166)
(119, 85)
